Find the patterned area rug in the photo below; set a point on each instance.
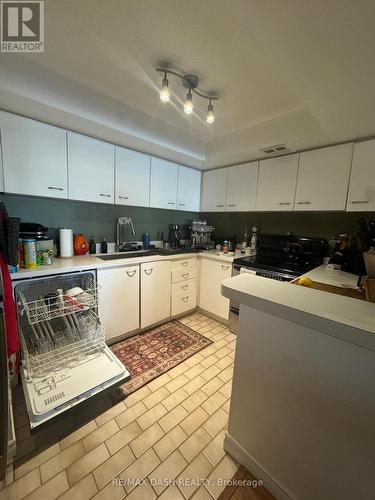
(150, 354)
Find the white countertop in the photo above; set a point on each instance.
(350, 319)
(86, 262)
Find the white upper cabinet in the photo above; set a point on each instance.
(189, 189)
(214, 190)
(34, 157)
(163, 189)
(323, 178)
(361, 195)
(91, 169)
(277, 184)
(132, 178)
(242, 187)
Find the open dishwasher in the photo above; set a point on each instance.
(65, 359)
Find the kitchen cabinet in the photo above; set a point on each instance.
(184, 290)
(242, 187)
(132, 178)
(323, 178)
(34, 157)
(277, 184)
(90, 169)
(361, 196)
(212, 273)
(188, 189)
(214, 190)
(119, 300)
(1, 169)
(155, 292)
(163, 188)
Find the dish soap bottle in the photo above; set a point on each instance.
(254, 242)
(92, 245)
(245, 240)
(104, 246)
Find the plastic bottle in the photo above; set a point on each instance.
(104, 246)
(92, 245)
(253, 242)
(146, 241)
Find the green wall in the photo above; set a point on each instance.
(92, 219)
(313, 224)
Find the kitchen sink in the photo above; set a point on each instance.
(127, 255)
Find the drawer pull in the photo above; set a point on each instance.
(184, 263)
(55, 188)
(124, 197)
(359, 202)
(131, 273)
(304, 202)
(220, 206)
(231, 205)
(185, 299)
(185, 275)
(184, 287)
(148, 271)
(105, 195)
(225, 268)
(284, 202)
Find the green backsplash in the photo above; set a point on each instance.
(313, 224)
(93, 219)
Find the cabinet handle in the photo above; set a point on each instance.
(105, 195)
(185, 275)
(124, 197)
(285, 202)
(184, 263)
(184, 287)
(171, 203)
(220, 206)
(225, 268)
(181, 204)
(55, 188)
(148, 271)
(131, 273)
(362, 202)
(185, 299)
(304, 202)
(231, 205)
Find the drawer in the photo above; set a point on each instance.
(183, 302)
(187, 287)
(184, 263)
(183, 274)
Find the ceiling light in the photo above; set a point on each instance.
(190, 82)
(164, 91)
(210, 118)
(188, 106)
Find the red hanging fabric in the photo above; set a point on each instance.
(10, 315)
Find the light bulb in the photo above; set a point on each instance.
(210, 118)
(164, 91)
(188, 106)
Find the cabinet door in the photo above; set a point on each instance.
(34, 157)
(361, 195)
(91, 169)
(163, 190)
(242, 187)
(132, 178)
(277, 184)
(212, 273)
(214, 190)
(189, 189)
(323, 178)
(119, 300)
(155, 292)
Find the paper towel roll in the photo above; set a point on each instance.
(66, 242)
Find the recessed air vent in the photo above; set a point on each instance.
(279, 149)
(54, 398)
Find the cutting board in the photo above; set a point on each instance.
(346, 292)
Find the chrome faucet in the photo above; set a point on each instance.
(124, 222)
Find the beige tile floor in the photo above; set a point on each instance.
(158, 443)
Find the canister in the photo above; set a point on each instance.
(29, 250)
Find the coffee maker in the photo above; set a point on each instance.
(201, 235)
(174, 235)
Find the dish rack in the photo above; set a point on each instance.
(59, 326)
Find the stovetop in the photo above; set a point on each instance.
(294, 255)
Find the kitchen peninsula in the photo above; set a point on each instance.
(303, 407)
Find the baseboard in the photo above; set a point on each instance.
(213, 316)
(243, 457)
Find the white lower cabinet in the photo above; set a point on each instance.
(184, 289)
(212, 273)
(155, 292)
(119, 300)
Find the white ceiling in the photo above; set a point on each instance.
(299, 72)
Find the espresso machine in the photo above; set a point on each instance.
(201, 235)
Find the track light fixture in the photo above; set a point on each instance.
(190, 82)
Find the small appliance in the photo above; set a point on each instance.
(201, 235)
